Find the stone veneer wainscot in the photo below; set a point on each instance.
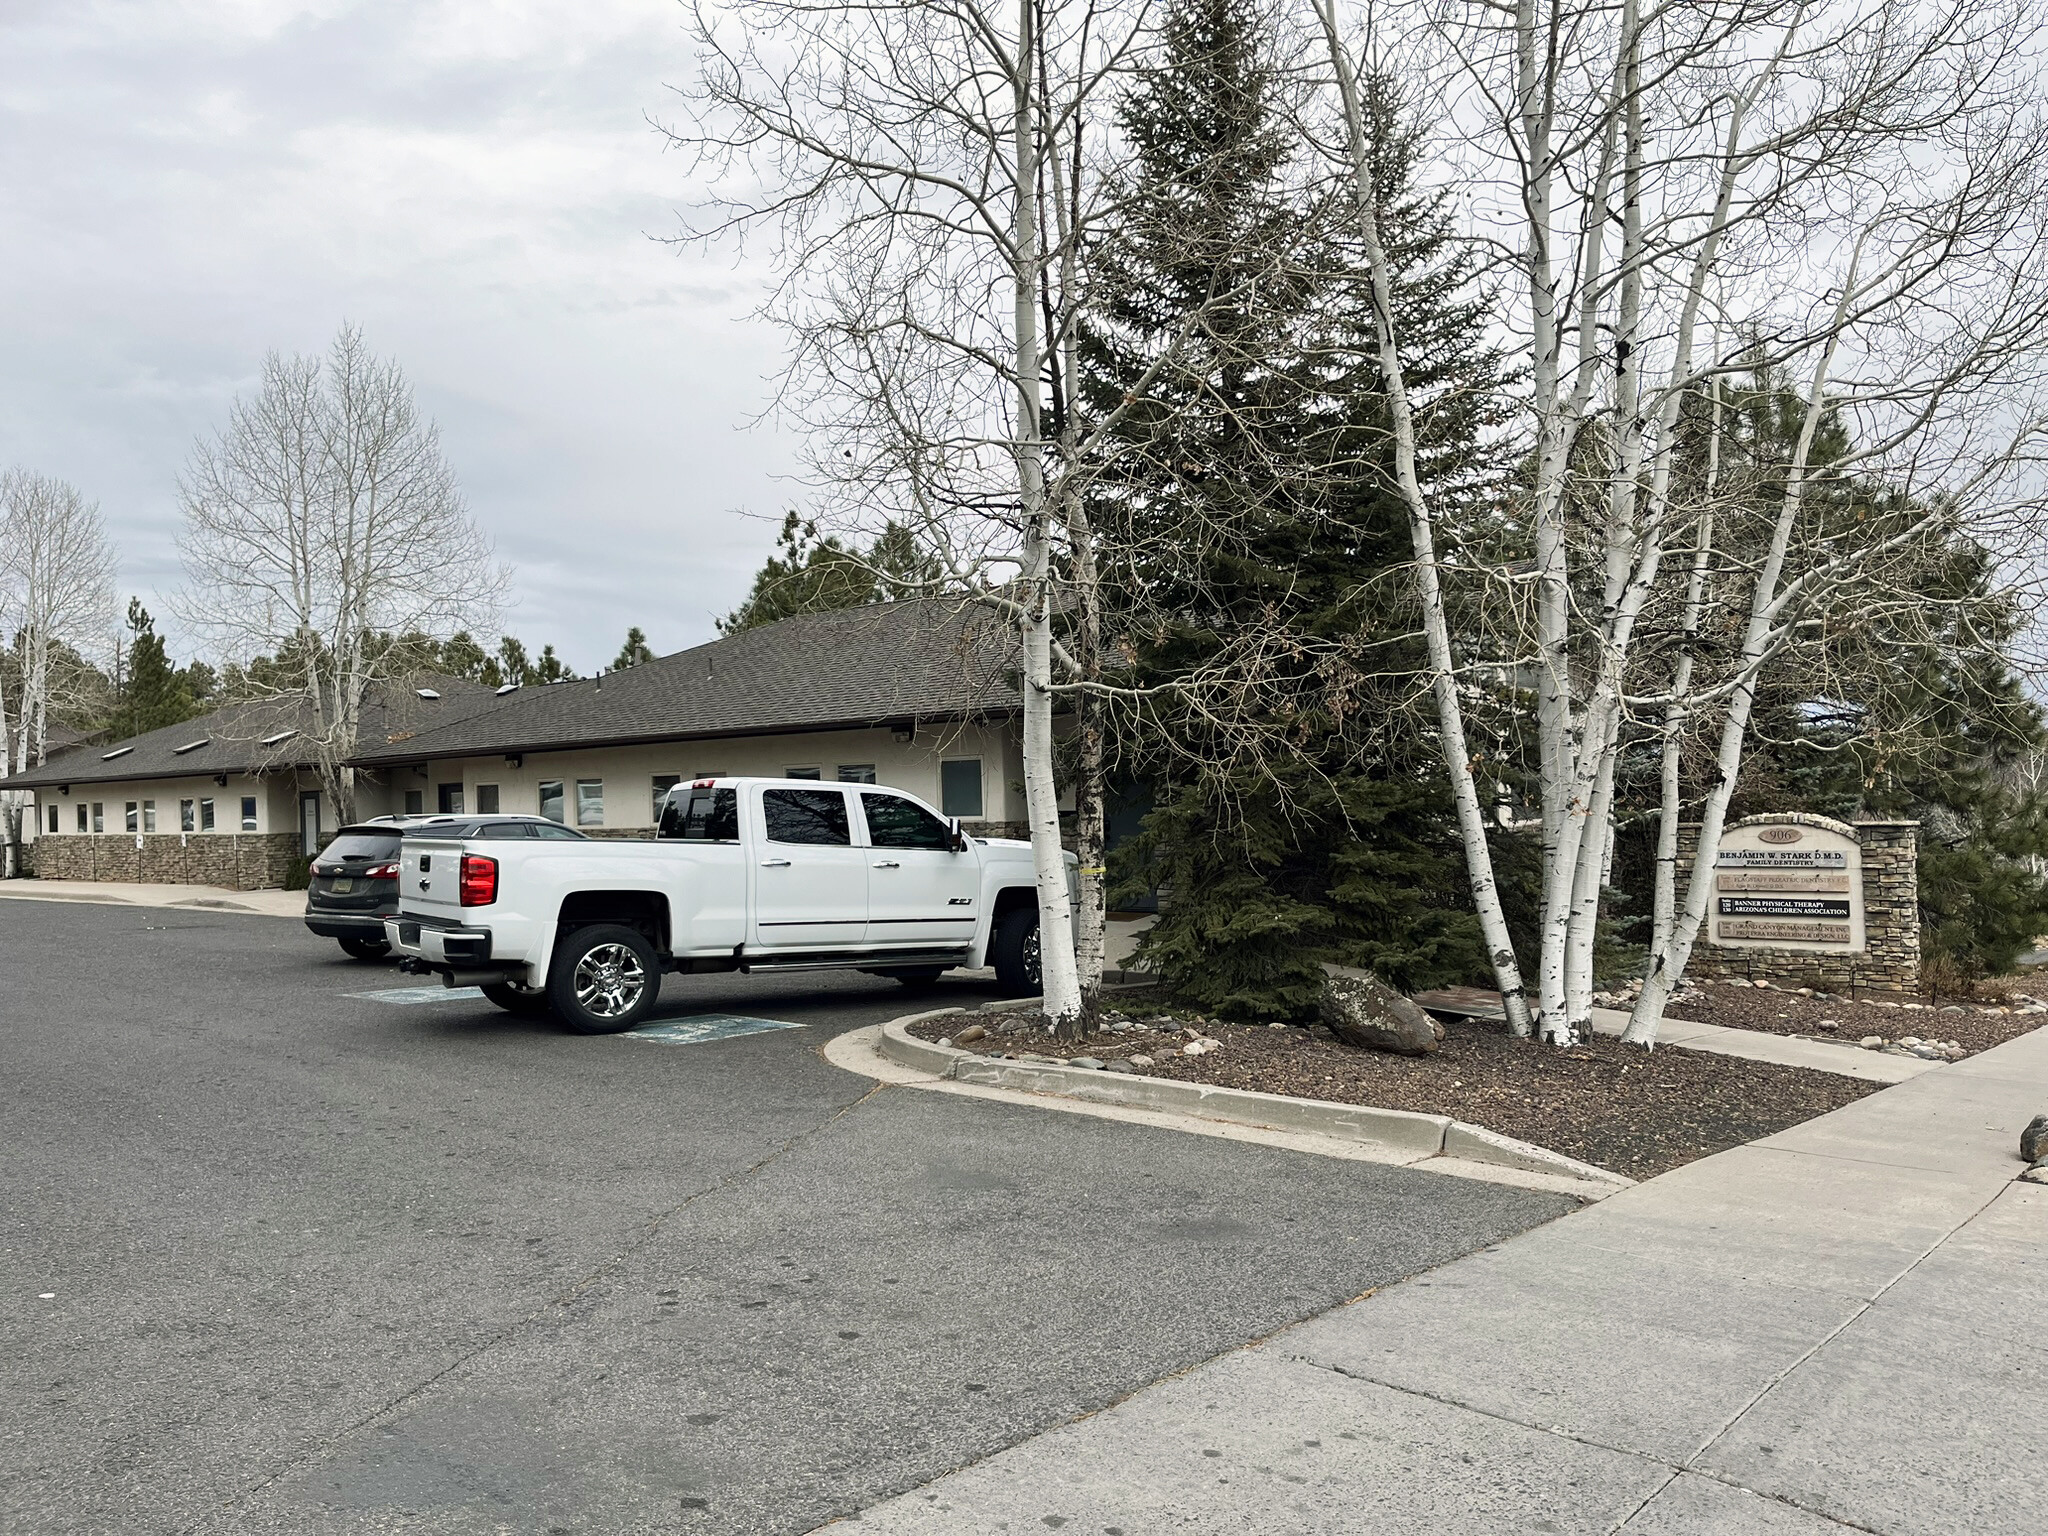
(239, 861)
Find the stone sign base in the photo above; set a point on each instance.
(1889, 960)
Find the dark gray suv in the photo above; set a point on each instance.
(353, 886)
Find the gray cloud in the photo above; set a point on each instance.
(475, 184)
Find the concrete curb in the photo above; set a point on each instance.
(1418, 1135)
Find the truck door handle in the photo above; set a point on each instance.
(887, 864)
(775, 863)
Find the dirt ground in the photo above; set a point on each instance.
(1618, 1107)
(1783, 1011)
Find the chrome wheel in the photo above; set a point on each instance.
(610, 981)
(1031, 974)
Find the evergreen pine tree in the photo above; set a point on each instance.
(818, 574)
(633, 652)
(1253, 493)
(153, 694)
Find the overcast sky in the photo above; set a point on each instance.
(188, 183)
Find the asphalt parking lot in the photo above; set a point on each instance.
(278, 1258)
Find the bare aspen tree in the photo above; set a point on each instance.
(56, 588)
(1852, 189)
(320, 523)
(932, 175)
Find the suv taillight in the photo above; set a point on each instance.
(381, 872)
(479, 880)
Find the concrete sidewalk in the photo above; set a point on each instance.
(1840, 1057)
(1842, 1326)
(1836, 1056)
(130, 894)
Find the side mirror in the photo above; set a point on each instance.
(959, 837)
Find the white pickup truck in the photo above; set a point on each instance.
(742, 875)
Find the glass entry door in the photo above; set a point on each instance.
(309, 822)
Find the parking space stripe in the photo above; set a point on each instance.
(407, 997)
(703, 1028)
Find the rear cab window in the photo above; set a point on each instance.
(701, 814)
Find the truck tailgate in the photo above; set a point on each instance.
(429, 872)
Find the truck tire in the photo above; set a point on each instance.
(365, 949)
(527, 1005)
(1014, 950)
(604, 980)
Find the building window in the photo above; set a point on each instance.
(248, 813)
(551, 799)
(187, 820)
(53, 818)
(802, 773)
(415, 802)
(960, 787)
(206, 815)
(590, 802)
(487, 799)
(856, 773)
(663, 783)
(84, 815)
(130, 814)
(99, 816)
(149, 815)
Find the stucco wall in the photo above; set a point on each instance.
(167, 794)
(276, 796)
(627, 773)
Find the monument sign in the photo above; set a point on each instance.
(1786, 885)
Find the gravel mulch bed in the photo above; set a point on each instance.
(1786, 1011)
(1611, 1105)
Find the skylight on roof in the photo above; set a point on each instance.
(271, 741)
(108, 757)
(508, 688)
(427, 693)
(190, 746)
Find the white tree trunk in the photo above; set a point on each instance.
(1058, 969)
(1669, 803)
(1757, 635)
(1457, 756)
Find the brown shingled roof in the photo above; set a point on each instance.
(230, 739)
(926, 659)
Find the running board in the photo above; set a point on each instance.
(894, 959)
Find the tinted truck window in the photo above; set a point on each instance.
(815, 816)
(702, 816)
(894, 822)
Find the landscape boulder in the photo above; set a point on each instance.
(1360, 1009)
(2034, 1140)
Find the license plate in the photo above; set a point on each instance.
(341, 887)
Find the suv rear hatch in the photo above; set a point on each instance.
(355, 873)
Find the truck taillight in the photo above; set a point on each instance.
(479, 880)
